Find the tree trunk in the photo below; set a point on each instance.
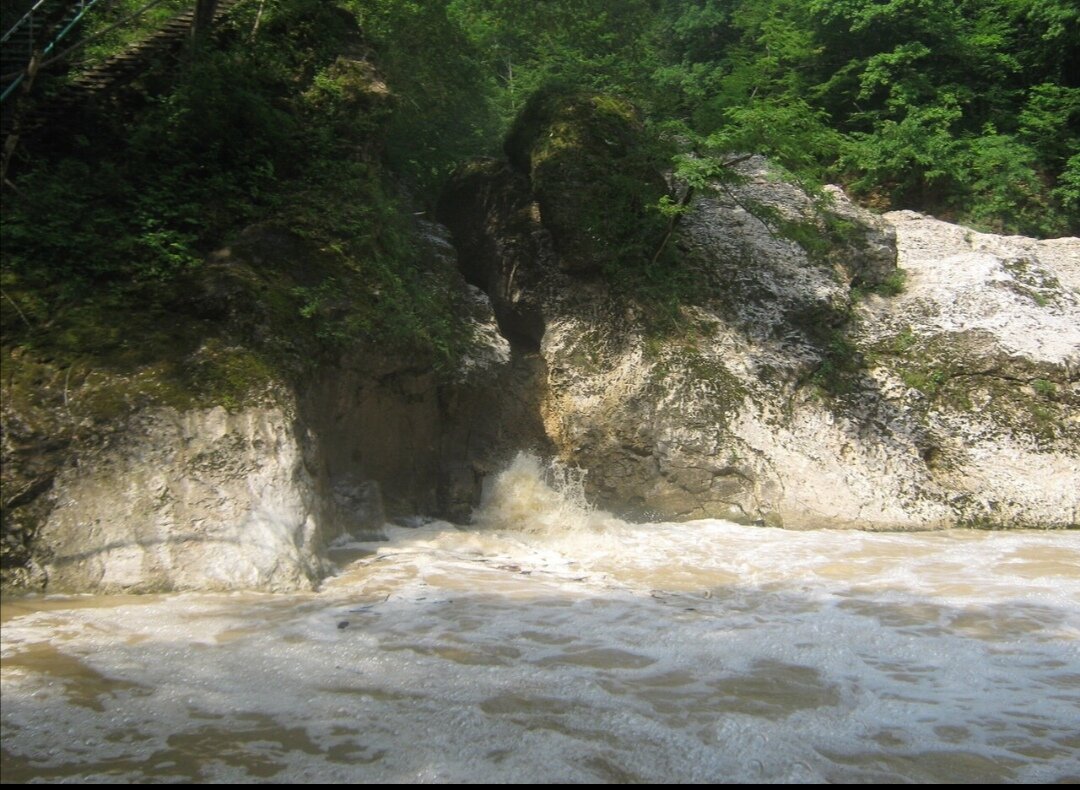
(203, 20)
(12, 141)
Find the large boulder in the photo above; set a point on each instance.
(202, 499)
(124, 480)
(595, 176)
(805, 386)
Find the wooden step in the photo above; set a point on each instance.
(115, 71)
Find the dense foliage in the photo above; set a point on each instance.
(279, 124)
(966, 108)
(969, 109)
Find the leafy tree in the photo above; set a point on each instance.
(957, 107)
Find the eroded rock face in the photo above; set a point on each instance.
(103, 494)
(427, 441)
(869, 250)
(503, 248)
(195, 500)
(797, 396)
(792, 394)
(983, 347)
(425, 444)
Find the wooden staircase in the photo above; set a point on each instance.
(97, 81)
(40, 30)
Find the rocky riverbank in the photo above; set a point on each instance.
(903, 373)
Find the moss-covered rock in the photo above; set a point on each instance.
(808, 384)
(596, 176)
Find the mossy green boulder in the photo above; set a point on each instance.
(596, 176)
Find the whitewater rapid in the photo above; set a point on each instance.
(548, 642)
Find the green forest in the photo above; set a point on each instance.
(963, 109)
(342, 121)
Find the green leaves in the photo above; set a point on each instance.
(280, 138)
(445, 103)
(891, 97)
(1049, 122)
(1068, 189)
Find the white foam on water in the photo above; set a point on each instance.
(552, 642)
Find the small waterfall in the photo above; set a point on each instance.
(539, 497)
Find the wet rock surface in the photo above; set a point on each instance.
(808, 386)
(802, 388)
(144, 497)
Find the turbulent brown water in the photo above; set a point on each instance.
(550, 643)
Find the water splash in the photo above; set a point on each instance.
(541, 498)
(553, 642)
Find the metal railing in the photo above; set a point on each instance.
(36, 34)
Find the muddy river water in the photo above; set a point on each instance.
(551, 643)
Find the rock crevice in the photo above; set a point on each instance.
(795, 394)
(792, 393)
